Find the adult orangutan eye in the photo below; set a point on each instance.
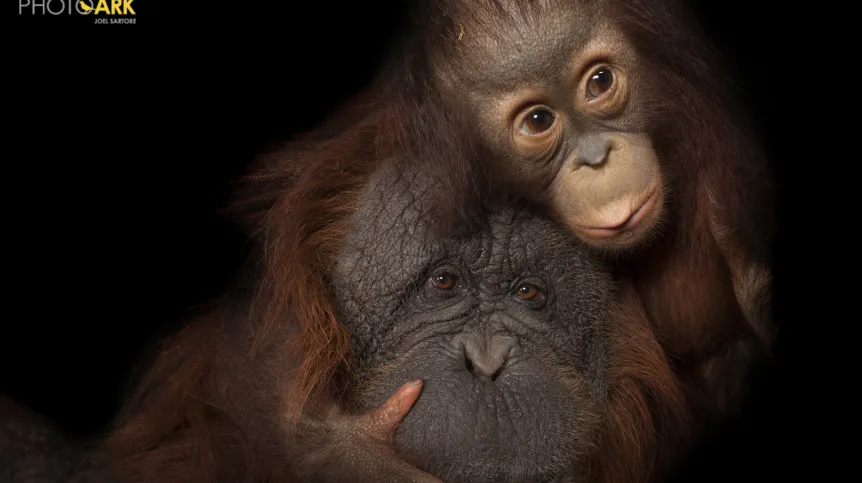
(531, 293)
(444, 280)
(538, 121)
(600, 81)
(443, 283)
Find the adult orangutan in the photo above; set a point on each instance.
(533, 365)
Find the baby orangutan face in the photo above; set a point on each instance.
(559, 96)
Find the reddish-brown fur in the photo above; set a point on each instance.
(705, 281)
(297, 203)
(647, 416)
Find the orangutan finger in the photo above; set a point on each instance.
(382, 423)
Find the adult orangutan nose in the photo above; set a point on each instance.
(486, 356)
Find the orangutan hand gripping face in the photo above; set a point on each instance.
(532, 366)
(607, 114)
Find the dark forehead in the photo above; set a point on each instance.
(506, 41)
(391, 237)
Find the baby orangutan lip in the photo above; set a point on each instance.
(632, 221)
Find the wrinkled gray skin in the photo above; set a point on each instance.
(513, 389)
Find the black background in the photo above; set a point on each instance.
(123, 140)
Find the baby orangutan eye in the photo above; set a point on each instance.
(600, 81)
(538, 121)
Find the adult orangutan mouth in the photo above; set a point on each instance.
(633, 220)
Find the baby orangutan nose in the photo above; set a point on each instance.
(592, 151)
(486, 356)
